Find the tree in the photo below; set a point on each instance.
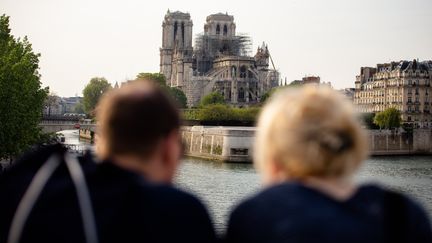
(21, 95)
(212, 98)
(367, 119)
(50, 101)
(389, 118)
(93, 92)
(178, 96)
(157, 77)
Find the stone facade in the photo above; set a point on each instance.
(405, 85)
(219, 62)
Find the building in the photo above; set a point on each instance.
(348, 93)
(220, 61)
(58, 106)
(405, 85)
(309, 80)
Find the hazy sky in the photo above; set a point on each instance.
(80, 39)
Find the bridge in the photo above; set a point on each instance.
(52, 124)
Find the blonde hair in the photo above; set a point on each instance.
(310, 132)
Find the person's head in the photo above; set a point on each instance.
(138, 128)
(310, 132)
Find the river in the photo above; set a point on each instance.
(221, 186)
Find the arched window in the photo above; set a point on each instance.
(241, 94)
(183, 32)
(217, 29)
(175, 30)
(233, 71)
(225, 30)
(243, 72)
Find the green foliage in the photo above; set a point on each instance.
(216, 112)
(389, 118)
(212, 98)
(221, 112)
(157, 77)
(21, 94)
(93, 92)
(190, 114)
(245, 114)
(367, 120)
(178, 96)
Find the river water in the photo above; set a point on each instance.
(221, 186)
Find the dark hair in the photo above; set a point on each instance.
(133, 119)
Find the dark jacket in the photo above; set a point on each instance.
(127, 207)
(294, 213)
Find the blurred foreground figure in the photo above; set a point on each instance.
(308, 146)
(130, 194)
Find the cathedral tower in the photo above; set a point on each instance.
(176, 47)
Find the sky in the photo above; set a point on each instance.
(81, 39)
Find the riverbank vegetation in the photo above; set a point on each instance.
(22, 97)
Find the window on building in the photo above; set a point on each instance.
(409, 91)
(183, 32)
(417, 91)
(243, 72)
(225, 30)
(241, 94)
(409, 118)
(175, 30)
(217, 29)
(409, 82)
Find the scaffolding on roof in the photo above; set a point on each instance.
(209, 47)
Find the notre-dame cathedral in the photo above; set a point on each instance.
(220, 61)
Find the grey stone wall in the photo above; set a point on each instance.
(388, 143)
(230, 144)
(235, 144)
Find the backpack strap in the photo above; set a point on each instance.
(35, 188)
(84, 200)
(30, 196)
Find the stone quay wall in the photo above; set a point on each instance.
(235, 144)
(229, 144)
(388, 143)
